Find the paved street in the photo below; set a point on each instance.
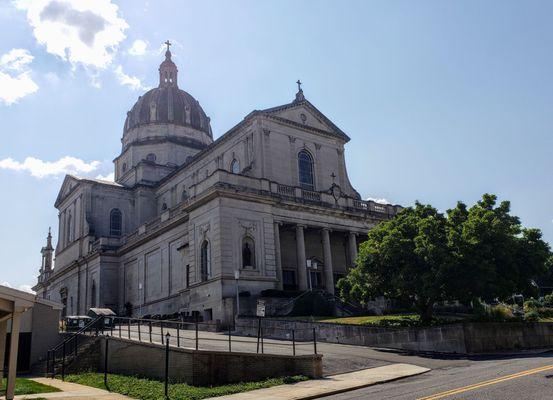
(509, 378)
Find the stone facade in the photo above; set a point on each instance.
(268, 198)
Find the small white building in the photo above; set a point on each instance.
(186, 211)
(29, 327)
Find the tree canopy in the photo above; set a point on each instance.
(423, 256)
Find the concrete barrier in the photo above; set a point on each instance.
(202, 367)
(461, 338)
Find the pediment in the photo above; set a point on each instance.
(304, 113)
(67, 188)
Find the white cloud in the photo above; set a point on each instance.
(380, 201)
(83, 32)
(24, 288)
(109, 177)
(128, 80)
(41, 169)
(138, 48)
(15, 76)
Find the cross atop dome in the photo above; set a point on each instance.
(168, 70)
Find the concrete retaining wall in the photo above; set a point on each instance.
(201, 368)
(465, 338)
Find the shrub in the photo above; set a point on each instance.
(532, 316)
(548, 300)
(531, 305)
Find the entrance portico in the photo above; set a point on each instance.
(322, 251)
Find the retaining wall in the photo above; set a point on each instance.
(201, 368)
(462, 338)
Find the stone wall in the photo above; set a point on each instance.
(467, 338)
(201, 368)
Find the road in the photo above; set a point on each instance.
(506, 378)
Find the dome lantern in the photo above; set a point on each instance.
(168, 70)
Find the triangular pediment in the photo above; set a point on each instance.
(303, 113)
(67, 188)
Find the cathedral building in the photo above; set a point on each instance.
(268, 202)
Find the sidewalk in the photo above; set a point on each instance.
(71, 391)
(330, 385)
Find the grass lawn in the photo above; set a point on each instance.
(27, 386)
(147, 389)
(372, 319)
(391, 320)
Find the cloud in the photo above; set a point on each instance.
(109, 177)
(85, 32)
(127, 80)
(41, 169)
(24, 288)
(138, 48)
(15, 76)
(379, 201)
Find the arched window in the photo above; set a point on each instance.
(93, 294)
(235, 166)
(115, 222)
(124, 167)
(164, 207)
(305, 166)
(205, 261)
(151, 157)
(248, 253)
(184, 195)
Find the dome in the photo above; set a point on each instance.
(167, 104)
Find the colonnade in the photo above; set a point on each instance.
(302, 258)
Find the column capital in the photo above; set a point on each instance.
(301, 226)
(324, 228)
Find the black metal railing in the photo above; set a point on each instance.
(68, 349)
(200, 336)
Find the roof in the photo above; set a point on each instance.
(26, 299)
(102, 311)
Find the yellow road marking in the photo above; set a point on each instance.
(486, 383)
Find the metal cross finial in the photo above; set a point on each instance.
(168, 43)
(333, 176)
(299, 85)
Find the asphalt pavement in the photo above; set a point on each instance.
(488, 378)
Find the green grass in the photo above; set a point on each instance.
(27, 386)
(398, 320)
(148, 389)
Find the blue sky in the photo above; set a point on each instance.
(443, 100)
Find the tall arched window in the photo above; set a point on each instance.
(248, 252)
(184, 195)
(305, 167)
(205, 260)
(115, 222)
(235, 166)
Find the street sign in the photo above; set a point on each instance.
(260, 308)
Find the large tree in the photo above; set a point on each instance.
(422, 256)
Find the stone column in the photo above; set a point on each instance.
(3, 329)
(352, 246)
(278, 259)
(12, 363)
(300, 252)
(329, 273)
